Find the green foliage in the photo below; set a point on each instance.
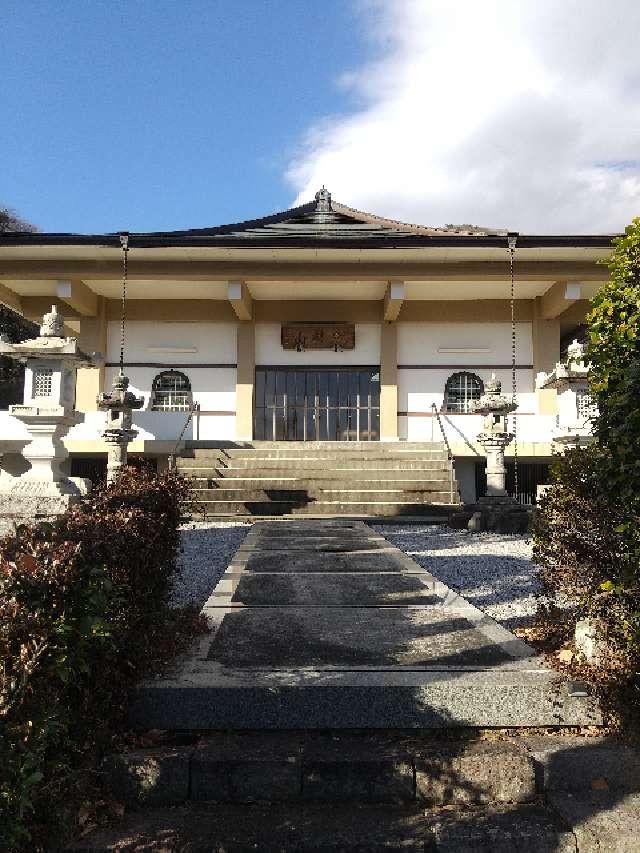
(579, 544)
(83, 612)
(9, 221)
(12, 325)
(587, 536)
(15, 328)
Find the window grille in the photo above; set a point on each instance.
(585, 406)
(461, 391)
(171, 392)
(43, 382)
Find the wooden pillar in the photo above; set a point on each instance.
(389, 382)
(92, 338)
(245, 377)
(546, 352)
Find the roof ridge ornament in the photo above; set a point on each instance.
(323, 200)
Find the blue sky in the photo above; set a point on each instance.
(149, 114)
(162, 115)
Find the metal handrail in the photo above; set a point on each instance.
(172, 456)
(448, 446)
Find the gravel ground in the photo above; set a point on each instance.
(206, 549)
(493, 571)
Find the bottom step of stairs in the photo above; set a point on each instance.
(361, 829)
(300, 791)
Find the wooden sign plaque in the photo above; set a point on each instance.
(308, 336)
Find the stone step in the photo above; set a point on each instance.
(333, 767)
(332, 828)
(295, 446)
(438, 492)
(322, 480)
(321, 699)
(341, 508)
(336, 465)
(436, 453)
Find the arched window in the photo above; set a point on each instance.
(461, 390)
(171, 392)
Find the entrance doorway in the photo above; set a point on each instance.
(317, 404)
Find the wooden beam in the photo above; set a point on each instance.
(558, 298)
(393, 299)
(310, 269)
(78, 296)
(34, 308)
(240, 299)
(10, 299)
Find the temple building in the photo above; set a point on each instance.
(317, 324)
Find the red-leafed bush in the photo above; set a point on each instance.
(83, 615)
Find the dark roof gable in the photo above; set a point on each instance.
(322, 223)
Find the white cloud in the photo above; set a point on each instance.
(522, 114)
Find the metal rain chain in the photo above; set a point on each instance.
(124, 242)
(120, 402)
(511, 243)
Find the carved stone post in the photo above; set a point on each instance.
(119, 405)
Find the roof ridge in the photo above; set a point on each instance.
(243, 224)
(414, 228)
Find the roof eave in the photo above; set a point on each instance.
(194, 240)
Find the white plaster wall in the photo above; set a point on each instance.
(419, 343)
(214, 388)
(269, 349)
(463, 429)
(214, 343)
(422, 344)
(419, 388)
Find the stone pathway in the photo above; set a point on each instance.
(325, 624)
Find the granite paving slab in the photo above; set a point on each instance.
(299, 562)
(333, 636)
(326, 589)
(313, 544)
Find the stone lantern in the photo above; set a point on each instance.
(496, 511)
(495, 435)
(48, 411)
(575, 407)
(119, 405)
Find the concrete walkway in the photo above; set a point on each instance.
(325, 624)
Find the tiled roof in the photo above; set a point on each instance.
(321, 223)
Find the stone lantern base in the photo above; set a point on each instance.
(493, 513)
(27, 502)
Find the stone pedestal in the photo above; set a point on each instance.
(48, 412)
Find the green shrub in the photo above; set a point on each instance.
(587, 533)
(83, 614)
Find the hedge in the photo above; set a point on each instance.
(587, 536)
(83, 615)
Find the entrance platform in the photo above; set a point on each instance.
(325, 625)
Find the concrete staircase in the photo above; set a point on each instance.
(361, 479)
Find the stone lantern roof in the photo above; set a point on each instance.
(50, 345)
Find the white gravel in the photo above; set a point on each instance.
(493, 571)
(206, 549)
